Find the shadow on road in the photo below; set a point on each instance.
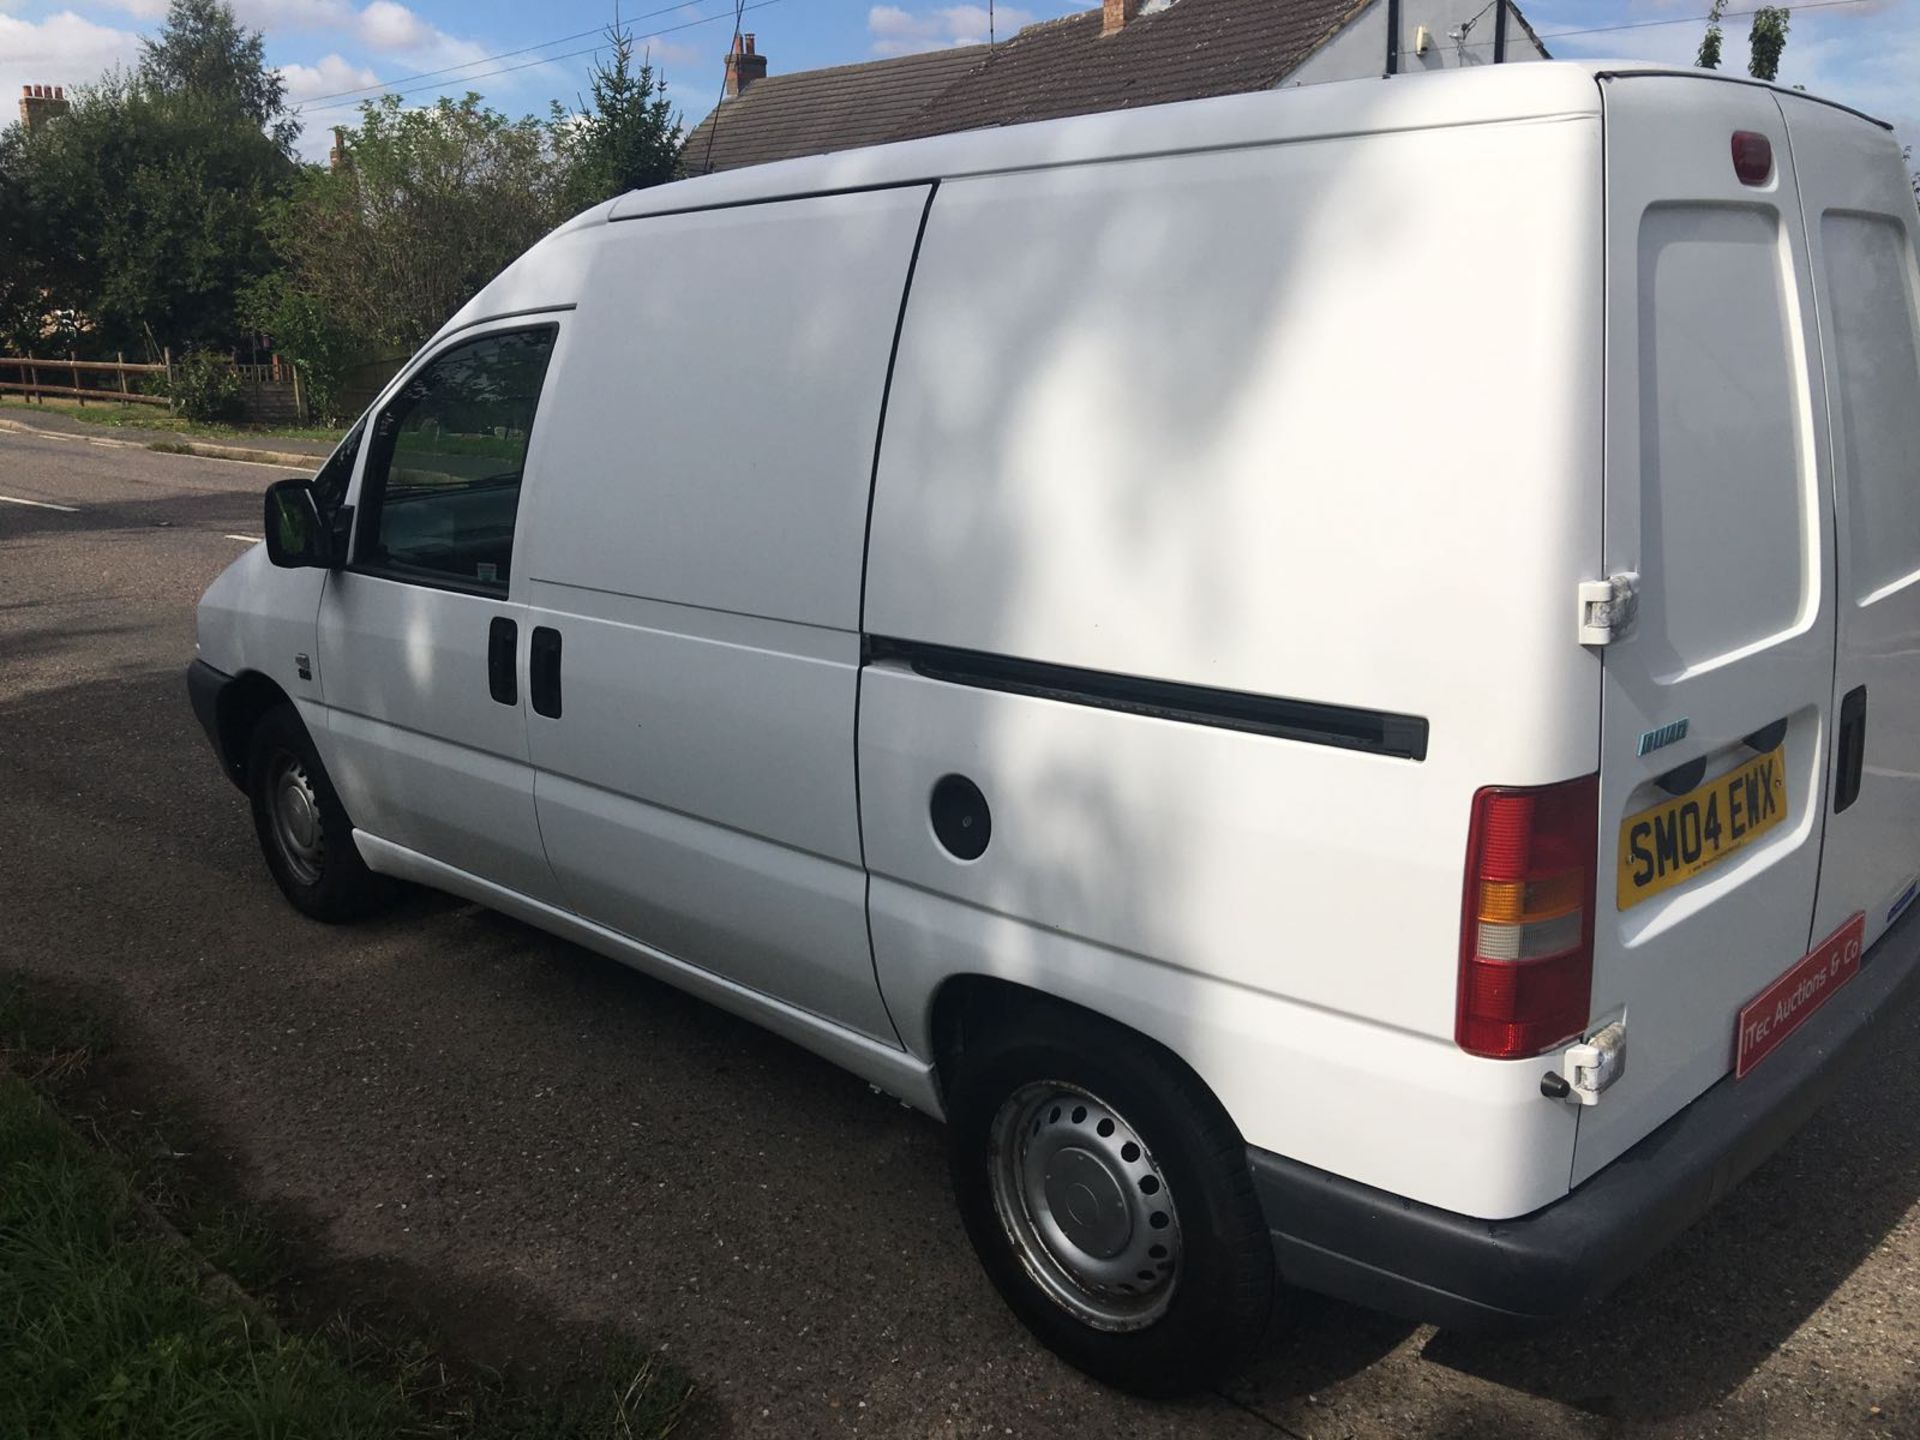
(729, 1110)
(219, 510)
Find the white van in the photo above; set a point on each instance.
(1332, 677)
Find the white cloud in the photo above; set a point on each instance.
(62, 49)
(902, 32)
(388, 26)
(329, 76)
(663, 52)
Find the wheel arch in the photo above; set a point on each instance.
(250, 695)
(963, 1004)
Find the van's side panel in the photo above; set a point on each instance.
(1317, 421)
(696, 543)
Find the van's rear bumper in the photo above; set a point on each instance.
(1388, 1253)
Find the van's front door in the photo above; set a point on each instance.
(1714, 727)
(1861, 234)
(422, 636)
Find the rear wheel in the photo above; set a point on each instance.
(1107, 1194)
(303, 829)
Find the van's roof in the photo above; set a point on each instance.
(1532, 91)
(553, 272)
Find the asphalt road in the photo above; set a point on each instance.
(516, 1135)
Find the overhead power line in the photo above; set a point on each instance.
(1687, 19)
(371, 91)
(380, 85)
(713, 130)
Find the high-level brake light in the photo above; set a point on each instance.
(1752, 157)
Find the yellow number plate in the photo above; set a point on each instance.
(1677, 839)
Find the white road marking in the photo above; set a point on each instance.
(245, 539)
(40, 504)
(39, 434)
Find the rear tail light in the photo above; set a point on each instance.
(1526, 928)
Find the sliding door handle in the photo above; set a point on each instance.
(543, 672)
(503, 639)
(1851, 752)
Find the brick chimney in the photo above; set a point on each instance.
(40, 103)
(1116, 15)
(337, 156)
(743, 65)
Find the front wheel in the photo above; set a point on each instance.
(303, 829)
(1107, 1194)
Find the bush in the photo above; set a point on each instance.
(205, 386)
(303, 331)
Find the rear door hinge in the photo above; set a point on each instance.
(1608, 608)
(1589, 1067)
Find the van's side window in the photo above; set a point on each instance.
(1870, 280)
(442, 486)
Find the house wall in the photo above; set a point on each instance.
(1360, 50)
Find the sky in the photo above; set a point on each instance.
(520, 56)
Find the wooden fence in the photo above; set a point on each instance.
(270, 394)
(30, 378)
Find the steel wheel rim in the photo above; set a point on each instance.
(1085, 1206)
(293, 813)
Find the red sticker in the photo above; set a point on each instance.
(1780, 1009)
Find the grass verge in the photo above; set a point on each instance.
(155, 417)
(118, 1320)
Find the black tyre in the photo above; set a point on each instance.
(303, 829)
(1107, 1194)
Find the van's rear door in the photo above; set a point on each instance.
(1861, 234)
(1714, 711)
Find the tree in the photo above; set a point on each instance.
(23, 281)
(202, 50)
(1709, 56)
(429, 205)
(627, 140)
(142, 210)
(1768, 39)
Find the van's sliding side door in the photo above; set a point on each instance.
(1861, 235)
(1715, 729)
(694, 587)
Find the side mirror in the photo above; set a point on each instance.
(296, 534)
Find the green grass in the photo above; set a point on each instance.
(157, 417)
(112, 1326)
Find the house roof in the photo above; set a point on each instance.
(814, 112)
(1188, 50)
(1191, 50)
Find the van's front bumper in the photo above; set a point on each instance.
(1379, 1250)
(205, 685)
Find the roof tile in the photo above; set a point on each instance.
(1187, 51)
